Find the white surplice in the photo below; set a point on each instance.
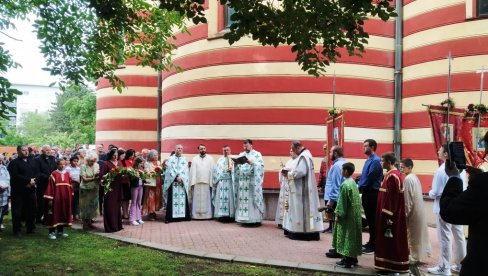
(284, 192)
(201, 172)
(418, 235)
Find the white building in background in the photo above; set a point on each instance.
(35, 98)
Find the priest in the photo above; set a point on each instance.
(223, 192)
(391, 251)
(249, 178)
(175, 190)
(304, 221)
(283, 198)
(200, 182)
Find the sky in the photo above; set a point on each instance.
(27, 53)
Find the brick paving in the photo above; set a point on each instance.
(266, 242)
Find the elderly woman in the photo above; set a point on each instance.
(152, 193)
(89, 190)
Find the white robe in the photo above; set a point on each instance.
(281, 211)
(418, 235)
(249, 179)
(223, 192)
(201, 172)
(303, 215)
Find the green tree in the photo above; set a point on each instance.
(87, 39)
(34, 126)
(81, 113)
(59, 113)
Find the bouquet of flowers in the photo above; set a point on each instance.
(110, 177)
(157, 172)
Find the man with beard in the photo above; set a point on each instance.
(45, 164)
(200, 182)
(23, 173)
(223, 192)
(304, 221)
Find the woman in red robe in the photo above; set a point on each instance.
(391, 250)
(112, 215)
(59, 194)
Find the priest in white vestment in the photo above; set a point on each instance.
(417, 232)
(201, 171)
(223, 188)
(304, 221)
(284, 189)
(175, 189)
(249, 180)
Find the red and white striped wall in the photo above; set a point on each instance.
(228, 93)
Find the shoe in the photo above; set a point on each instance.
(328, 230)
(368, 250)
(135, 223)
(456, 268)
(62, 234)
(439, 271)
(2, 227)
(140, 221)
(52, 236)
(333, 255)
(345, 263)
(332, 250)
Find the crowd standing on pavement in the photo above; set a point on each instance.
(55, 187)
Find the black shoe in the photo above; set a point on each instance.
(368, 250)
(328, 230)
(345, 263)
(333, 255)
(332, 250)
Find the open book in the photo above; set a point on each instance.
(240, 160)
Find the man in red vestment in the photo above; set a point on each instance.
(59, 193)
(391, 251)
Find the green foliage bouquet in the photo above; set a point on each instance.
(115, 173)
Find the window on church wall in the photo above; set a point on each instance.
(482, 7)
(228, 12)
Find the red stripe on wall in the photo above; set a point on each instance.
(420, 119)
(434, 19)
(278, 84)
(469, 46)
(460, 82)
(136, 145)
(197, 32)
(379, 27)
(126, 124)
(267, 147)
(406, 2)
(419, 151)
(132, 80)
(271, 54)
(275, 116)
(127, 102)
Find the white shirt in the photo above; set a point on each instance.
(439, 183)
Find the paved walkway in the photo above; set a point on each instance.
(232, 242)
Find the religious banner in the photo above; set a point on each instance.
(440, 128)
(474, 146)
(335, 128)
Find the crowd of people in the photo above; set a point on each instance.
(54, 188)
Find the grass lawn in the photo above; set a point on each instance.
(84, 253)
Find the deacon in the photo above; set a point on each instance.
(200, 181)
(249, 177)
(304, 221)
(175, 190)
(283, 200)
(391, 251)
(223, 192)
(418, 235)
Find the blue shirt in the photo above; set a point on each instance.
(334, 180)
(372, 173)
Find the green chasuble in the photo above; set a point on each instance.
(347, 231)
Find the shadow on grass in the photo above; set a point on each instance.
(84, 253)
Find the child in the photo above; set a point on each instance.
(4, 190)
(59, 193)
(74, 172)
(137, 186)
(347, 233)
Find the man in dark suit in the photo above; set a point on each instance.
(468, 208)
(45, 164)
(23, 190)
